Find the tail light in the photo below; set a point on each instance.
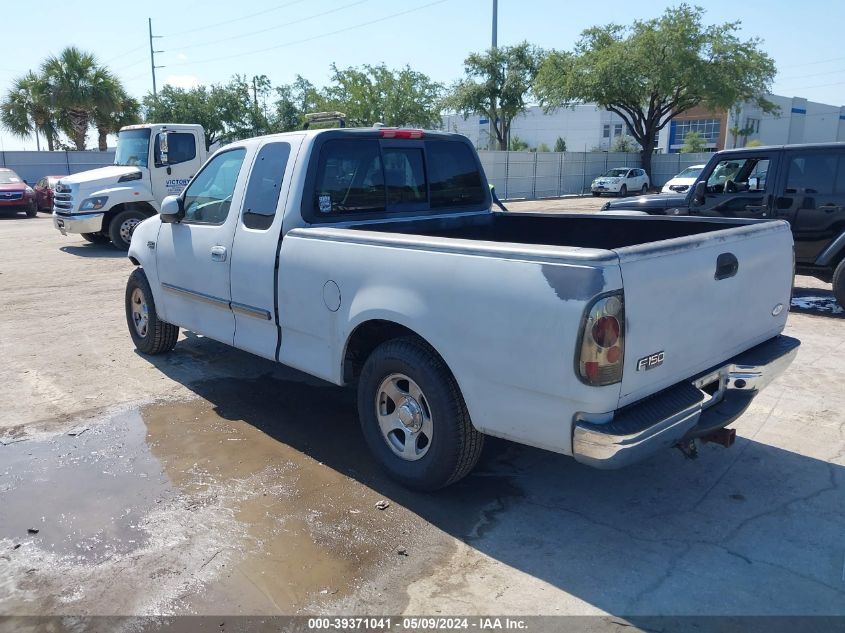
(392, 132)
(602, 350)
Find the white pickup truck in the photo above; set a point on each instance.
(372, 257)
(152, 161)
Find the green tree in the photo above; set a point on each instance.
(560, 145)
(754, 143)
(371, 94)
(27, 110)
(694, 142)
(542, 147)
(657, 69)
(293, 102)
(125, 110)
(78, 86)
(735, 130)
(496, 85)
(518, 145)
(624, 144)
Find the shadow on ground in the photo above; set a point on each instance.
(94, 250)
(754, 531)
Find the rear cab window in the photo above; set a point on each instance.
(367, 177)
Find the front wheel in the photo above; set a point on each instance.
(644, 189)
(32, 211)
(414, 418)
(150, 334)
(839, 283)
(596, 194)
(623, 191)
(95, 238)
(122, 226)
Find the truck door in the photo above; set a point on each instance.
(739, 187)
(194, 255)
(256, 246)
(174, 162)
(813, 200)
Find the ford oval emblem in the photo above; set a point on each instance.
(777, 309)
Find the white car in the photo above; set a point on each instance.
(621, 181)
(683, 181)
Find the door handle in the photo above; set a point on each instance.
(726, 266)
(218, 253)
(830, 208)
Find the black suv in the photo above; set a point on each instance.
(802, 184)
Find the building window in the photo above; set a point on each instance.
(605, 131)
(753, 125)
(617, 129)
(708, 128)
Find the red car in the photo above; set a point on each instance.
(44, 190)
(15, 194)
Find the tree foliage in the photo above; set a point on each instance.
(656, 69)
(624, 144)
(27, 109)
(518, 145)
(694, 142)
(496, 85)
(560, 145)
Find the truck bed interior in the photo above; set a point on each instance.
(586, 231)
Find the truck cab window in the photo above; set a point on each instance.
(454, 177)
(734, 175)
(404, 175)
(181, 147)
(265, 184)
(209, 196)
(811, 174)
(350, 177)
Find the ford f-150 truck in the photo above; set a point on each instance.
(152, 161)
(802, 184)
(372, 257)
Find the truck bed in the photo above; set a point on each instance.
(559, 229)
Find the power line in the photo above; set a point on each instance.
(228, 22)
(270, 28)
(819, 61)
(314, 37)
(828, 72)
(124, 54)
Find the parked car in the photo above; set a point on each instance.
(621, 181)
(152, 160)
(44, 190)
(802, 184)
(15, 194)
(683, 181)
(371, 257)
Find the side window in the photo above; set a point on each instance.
(209, 196)
(733, 175)
(404, 175)
(840, 175)
(350, 177)
(265, 184)
(811, 174)
(41, 183)
(181, 147)
(454, 177)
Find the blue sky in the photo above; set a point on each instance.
(207, 41)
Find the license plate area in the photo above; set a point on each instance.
(713, 386)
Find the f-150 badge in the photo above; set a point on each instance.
(651, 361)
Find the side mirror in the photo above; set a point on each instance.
(698, 192)
(172, 210)
(161, 157)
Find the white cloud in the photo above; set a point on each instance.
(182, 57)
(183, 81)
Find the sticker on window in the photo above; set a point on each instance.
(325, 204)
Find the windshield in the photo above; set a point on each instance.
(7, 177)
(617, 173)
(133, 148)
(690, 172)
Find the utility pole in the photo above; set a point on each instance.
(153, 55)
(495, 21)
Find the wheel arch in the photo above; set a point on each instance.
(144, 207)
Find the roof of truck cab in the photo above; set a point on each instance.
(793, 147)
(143, 126)
(363, 132)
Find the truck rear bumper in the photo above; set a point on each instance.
(78, 223)
(687, 410)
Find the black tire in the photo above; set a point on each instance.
(32, 211)
(95, 238)
(644, 190)
(839, 283)
(119, 228)
(455, 444)
(596, 194)
(623, 191)
(158, 336)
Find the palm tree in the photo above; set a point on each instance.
(27, 109)
(109, 120)
(79, 86)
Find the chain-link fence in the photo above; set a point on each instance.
(551, 174)
(34, 165)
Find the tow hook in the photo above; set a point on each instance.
(723, 437)
(689, 448)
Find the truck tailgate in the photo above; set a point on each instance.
(682, 316)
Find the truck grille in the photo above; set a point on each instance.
(10, 195)
(63, 198)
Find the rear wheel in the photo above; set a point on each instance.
(839, 283)
(150, 334)
(95, 238)
(31, 211)
(122, 226)
(645, 189)
(623, 191)
(413, 416)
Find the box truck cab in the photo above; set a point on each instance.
(152, 161)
